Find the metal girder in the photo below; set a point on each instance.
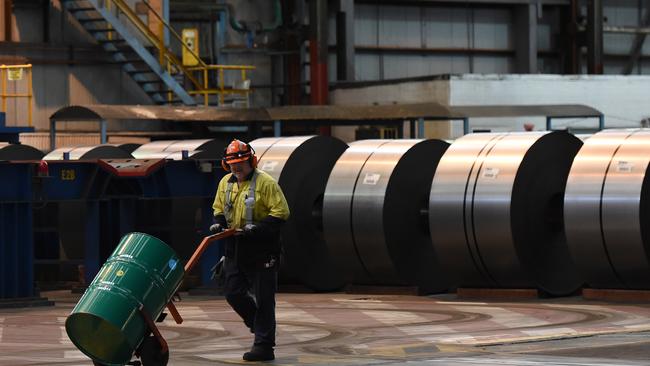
(464, 2)
(526, 38)
(639, 40)
(595, 36)
(345, 40)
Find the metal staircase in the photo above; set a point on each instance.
(141, 52)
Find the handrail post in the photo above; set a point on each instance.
(4, 88)
(221, 87)
(161, 44)
(30, 96)
(110, 26)
(52, 134)
(205, 86)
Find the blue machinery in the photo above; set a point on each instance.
(112, 197)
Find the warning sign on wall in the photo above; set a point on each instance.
(15, 74)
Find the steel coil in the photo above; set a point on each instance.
(301, 166)
(375, 213)
(19, 152)
(606, 208)
(495, 211)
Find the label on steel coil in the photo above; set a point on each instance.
(490, 173)
(624, 166)
(371, 178)
(269, 165)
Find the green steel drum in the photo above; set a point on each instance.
(106, 324)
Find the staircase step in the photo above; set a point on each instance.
(91, 20)
(144, 82)
(130, 61)
(100, 30)
(140, 72)
(114, 41)
(77, 10)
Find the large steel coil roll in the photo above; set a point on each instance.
(374, 213)
(172, 149)
(495, 211)
(607, 208)
(19, 152)
(88, 153)
(301, 165)
(337, 211)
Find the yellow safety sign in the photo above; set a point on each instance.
(15, 74)
(191, 40)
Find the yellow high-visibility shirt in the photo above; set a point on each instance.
(269, 200)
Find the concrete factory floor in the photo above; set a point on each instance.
(369, 329)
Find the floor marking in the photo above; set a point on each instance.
(415, 330)
(203, 324)
(550, 332)
(63, 336)
(75, 354)
(504, 317)
(288, 312)
(366, 304)
(302, 333)
(395, 317)
(190, 312)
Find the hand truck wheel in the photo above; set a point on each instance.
(151, 352)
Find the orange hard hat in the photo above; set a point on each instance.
(236, 152)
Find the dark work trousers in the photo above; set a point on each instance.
(258, 310)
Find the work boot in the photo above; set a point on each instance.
(259, 353)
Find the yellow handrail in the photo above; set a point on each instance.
(153, 39)
(221, 91)
(172, 31)
(203, 69)
(29, 95)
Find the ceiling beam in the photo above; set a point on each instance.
(463, 2)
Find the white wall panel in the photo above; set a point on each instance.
(622, 99)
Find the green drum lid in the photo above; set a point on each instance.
(99, 339)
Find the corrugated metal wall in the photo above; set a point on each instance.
(466, 27)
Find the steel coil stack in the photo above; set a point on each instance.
(128, 147)
(301, 166)
(496, 211)
(19, 152)
(374, 214)
(607, 208)
(173, 149)
(88, 153)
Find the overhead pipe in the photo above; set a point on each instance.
(239, 25)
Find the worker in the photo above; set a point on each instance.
(250, 201)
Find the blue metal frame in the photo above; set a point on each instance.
(11, 134)
(16, 232)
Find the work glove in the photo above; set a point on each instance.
(217, 228)
(250, 230)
